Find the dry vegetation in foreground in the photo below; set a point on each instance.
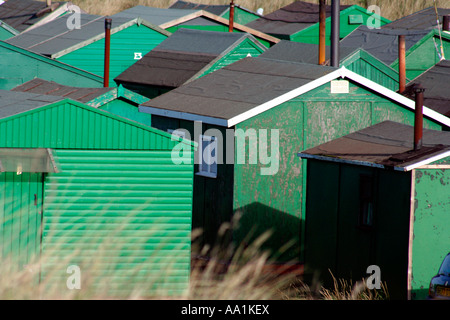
(245, 277)
(389, 9)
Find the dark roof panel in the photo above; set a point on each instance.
(422, 20)
(382, 43)
(214, 9)
(302, 52)
(385, 144)
(290, 19)
(238, 87)
(157, 16)
(43, 87)
(12, 103)
(435, 81)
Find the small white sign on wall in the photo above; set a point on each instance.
(340, 86)
(137, 55)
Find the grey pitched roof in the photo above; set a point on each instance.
(290, 19)
(21, 14)
(12, 103)
(382, 43)
(55, 37)
(215, 9)
(237, 88)
(302, 52)
(157, 16)
(43, 87)
(421, 20)
(435, 81)
(386, 144)
(182, 56)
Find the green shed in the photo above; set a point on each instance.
(426, 53)
(19, 66)
(355, 59)
(84, 47)
(423, 47)
(174, 19)
(7, 31)
(253, 115)
(117, 100)
(299, 21)
(241, 15)
(109, 194)
(373, 200)
(187, 55)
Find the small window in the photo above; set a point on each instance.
(208, 158)
(355, 19)
(366, 198)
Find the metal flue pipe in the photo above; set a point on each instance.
(108, 23)
(401, 64)
(335, 30)
(231, 21)
(418, 116)
(322, 31)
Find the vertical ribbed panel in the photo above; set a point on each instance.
(71, 125)
(123, 217)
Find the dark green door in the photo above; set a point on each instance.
(20, 218)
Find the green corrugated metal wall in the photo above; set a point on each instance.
(240, 52)
(240, 16)
(131, 210)
(20, 217)
(19, 66)
(124, 44)
(114, 174)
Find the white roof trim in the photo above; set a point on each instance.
(427, 161)
(339, 73)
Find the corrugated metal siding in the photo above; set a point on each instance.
(19, 66)
(70, 125)
(124, 44)
(240, 52)
(20, 217)
(124, 213)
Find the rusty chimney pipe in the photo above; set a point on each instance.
(108, 23)
(418, 116)
(446, 23)
(231, 22)
(401, 63)
(322, 30)
(335, 31)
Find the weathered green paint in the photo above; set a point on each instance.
(137, 38)
(20, 218)
(19, 66)
(425, 54)
(336, 245)
(119, 207)
(366, 65)
(431, 221)
(350, 19)
(304, 122)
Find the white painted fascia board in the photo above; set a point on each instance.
(427, 161)
(394, 96)
(182, 115)
(285, 97)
